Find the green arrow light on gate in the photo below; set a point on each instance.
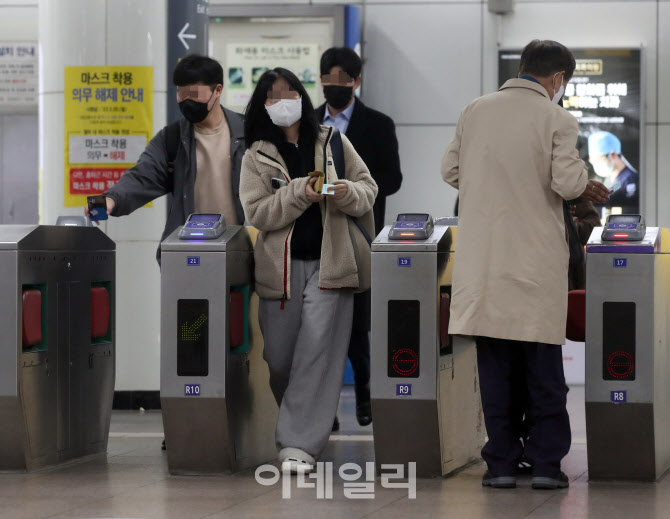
(192, 332)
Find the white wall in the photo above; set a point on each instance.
(18, 20)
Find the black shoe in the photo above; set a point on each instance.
(163, 446)
(363, 409)
(498, 482)
(336, 425)
(558, 481)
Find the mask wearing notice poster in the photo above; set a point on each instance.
(605, 96)
(246, 63)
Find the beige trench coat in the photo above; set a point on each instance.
(513, 159)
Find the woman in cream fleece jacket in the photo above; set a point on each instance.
(309, 257)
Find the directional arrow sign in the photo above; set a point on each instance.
(188, 29)
(183, 36)
(192, 332)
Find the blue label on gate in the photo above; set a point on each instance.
(618, 397)
(620, 262)
(404, 262)
(191, 389)
(193, 261)
(403, 389)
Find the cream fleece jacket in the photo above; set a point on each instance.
(344, 252)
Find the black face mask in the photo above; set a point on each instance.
(338, 96)
(194, 111)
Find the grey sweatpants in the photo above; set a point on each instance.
(306, 349)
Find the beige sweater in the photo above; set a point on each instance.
(274, 213)
(213, 185)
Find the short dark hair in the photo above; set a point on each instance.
(257, 123)
(543, 58)
(195, 68)
(343, 57)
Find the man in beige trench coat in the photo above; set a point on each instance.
(514, 160)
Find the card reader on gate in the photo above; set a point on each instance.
(203, 227)
(624, 227)
(412, 226)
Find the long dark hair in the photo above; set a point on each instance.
(257, 123)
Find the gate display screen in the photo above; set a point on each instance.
(618, 341)
(204, 218)
(404, 327)
(192, 337)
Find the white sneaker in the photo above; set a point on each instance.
(296, 466)
(297, 461)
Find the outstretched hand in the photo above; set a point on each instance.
(596, 192)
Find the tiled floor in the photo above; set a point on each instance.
(133, 482)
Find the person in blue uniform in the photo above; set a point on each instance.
(619, 176)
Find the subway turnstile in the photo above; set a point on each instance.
(628, 355)
(57, 345)
(426, 405)
(219, 414)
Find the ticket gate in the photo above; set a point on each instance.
(219, 414)
(57, 345)
(425, 396)
(628, 355)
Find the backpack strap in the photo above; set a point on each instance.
(337, 149)
(172, 135)
(172, 142)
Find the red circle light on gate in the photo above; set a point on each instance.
(405, 362)
(620, 364)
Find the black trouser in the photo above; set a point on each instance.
(523, 377)
(359, 344)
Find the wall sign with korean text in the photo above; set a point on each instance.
(246, 63)
(18, 74)
(108, 123)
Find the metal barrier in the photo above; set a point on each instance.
(628, 356)
(425, 393)
(219, 414)
(57, 350)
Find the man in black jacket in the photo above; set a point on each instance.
(373, 136)
(197, 159)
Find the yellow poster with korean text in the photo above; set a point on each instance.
(108, 123)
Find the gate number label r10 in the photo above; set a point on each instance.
(191, 389)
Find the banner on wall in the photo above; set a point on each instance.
(108, 123)
(18, 73)
(605, 97)
(246, 63)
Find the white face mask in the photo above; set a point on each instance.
(604, 168)
(558, 95)
(285, 112)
